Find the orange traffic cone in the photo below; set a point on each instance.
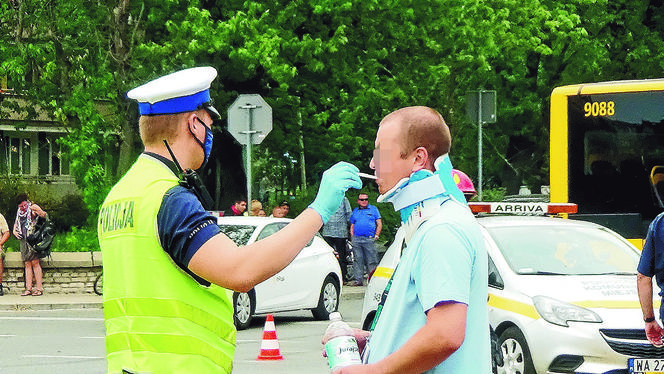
(270, 344)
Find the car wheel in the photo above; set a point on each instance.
(244, 305)
(516, 355)
(328, 301)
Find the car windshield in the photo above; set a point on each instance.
(553, 250)
(240, 234)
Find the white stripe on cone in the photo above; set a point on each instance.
(270, 344)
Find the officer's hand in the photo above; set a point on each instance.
(654, 333)
(336, 180)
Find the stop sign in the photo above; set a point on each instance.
(249, 118)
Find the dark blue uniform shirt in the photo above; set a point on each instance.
(183, 225)
(651, 263)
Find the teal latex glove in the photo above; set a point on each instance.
(336, 180)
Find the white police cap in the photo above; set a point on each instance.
(183, 91)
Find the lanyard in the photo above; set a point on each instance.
(383, 297)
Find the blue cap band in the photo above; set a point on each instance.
(175, 105)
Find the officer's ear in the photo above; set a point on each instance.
(193, 125)
(191, 121)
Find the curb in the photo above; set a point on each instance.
(47, 306)
(16, 303)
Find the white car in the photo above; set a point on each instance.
(311, 281)
(562, 295)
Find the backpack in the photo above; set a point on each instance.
(41, 238)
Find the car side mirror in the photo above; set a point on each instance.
(495, 280)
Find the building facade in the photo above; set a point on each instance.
(29, 150)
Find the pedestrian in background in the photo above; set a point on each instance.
(4, 236)
(280, 210)
(651, 264)
(335, 233)
(237, 209)
(365, 227)
(277, 212)
(255, 208)
(24, 225)
(285, 208)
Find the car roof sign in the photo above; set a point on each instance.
(529, 209)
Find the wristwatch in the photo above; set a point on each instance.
(649, 319)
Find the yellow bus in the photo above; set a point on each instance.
(607, 153)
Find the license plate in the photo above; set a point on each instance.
(646, 365)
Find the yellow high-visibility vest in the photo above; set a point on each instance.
(158, 318)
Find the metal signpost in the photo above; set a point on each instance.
(249, 121)
(481, 107)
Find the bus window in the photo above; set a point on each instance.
(614, 139)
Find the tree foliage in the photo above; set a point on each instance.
(330, 69)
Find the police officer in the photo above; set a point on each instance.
(651, 265)
(167, 266)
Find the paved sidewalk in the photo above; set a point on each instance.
(13, 302)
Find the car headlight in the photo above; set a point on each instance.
(559, 312)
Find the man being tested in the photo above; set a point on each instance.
(167, 267)
(433, 315)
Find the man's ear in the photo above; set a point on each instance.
(191, 121)
(421, 159)
(193, 126)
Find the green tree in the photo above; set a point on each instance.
(56, 61)
(544, 44)
(330, 69)
(75, 60)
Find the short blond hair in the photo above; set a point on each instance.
(256, 206)
(422, 127)
(154, 129)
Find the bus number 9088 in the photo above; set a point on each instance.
(599, 109)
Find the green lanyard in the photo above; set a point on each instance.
(383, 297)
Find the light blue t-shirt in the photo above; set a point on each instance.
(444, 261)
